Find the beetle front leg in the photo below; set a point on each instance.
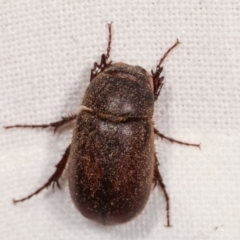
(98, 68)
(54, 179)
(157, 79)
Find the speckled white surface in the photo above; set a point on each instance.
(47, 49)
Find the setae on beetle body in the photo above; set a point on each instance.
(111, 168)
(112, 163)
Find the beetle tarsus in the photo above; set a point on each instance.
(53, 125)
(158, 179)
(172, 140)
(157, 80)
(166, 53)
(53, 179)
(109, 40)
(98, 68)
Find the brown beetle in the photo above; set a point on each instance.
(112, 161)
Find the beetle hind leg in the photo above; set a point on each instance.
(158, 179)
(109, 40)
(54, 179)
(172, 140)
(97, 68)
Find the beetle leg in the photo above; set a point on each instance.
(158, 179)
(172, 140)
(97, 68)
(53, 179)
(157, 80)
(54, 125)
(109, 40)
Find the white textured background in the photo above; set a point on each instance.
(47, 49)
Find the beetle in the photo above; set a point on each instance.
(112, 163)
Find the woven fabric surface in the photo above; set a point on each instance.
(47, 50)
